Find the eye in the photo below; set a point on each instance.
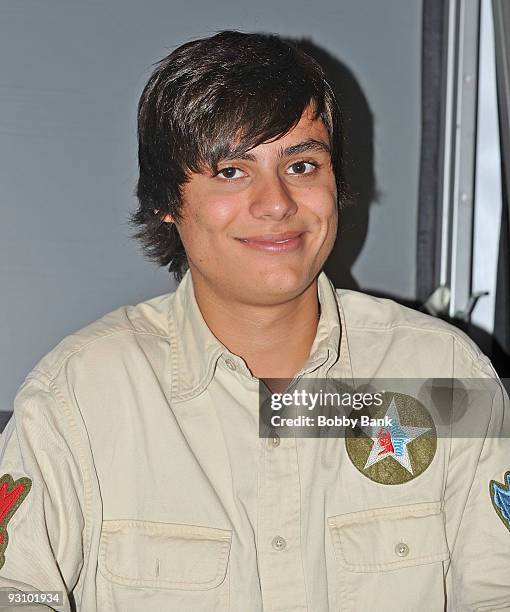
(303, 167)
(230, 173)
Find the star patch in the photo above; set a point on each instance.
(12, 493)
(398, 450)
(500, 497)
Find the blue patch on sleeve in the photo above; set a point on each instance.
(500, 497)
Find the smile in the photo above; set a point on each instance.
(282, 243)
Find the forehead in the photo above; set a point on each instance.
(308, 134)
(308, 128)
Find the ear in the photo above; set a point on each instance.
(167, 218)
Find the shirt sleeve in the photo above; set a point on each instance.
(41, 497)
(478, 492)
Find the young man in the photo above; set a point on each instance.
(134, 475)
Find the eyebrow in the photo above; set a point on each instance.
(307, 145)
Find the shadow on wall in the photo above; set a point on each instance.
(358, 154)
(359, 174)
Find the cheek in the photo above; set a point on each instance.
(322, 204)
(205, 220)
(219, 213)
(326, 213)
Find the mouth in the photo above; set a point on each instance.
(274, 243)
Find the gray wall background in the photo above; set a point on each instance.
(70, 77)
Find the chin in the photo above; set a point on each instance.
(284, 283)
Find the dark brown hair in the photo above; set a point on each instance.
(231, 90)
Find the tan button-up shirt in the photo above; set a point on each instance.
(143, 484)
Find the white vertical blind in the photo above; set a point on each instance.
(488, 179)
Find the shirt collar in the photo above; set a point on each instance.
(196, 351)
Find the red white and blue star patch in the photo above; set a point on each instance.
(12, 494)
(398, 450)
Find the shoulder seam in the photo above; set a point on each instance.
(50, 377)
(79, 451)
(471, 351)
(473, 354)
(81, 455)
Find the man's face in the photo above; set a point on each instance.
(260, 230)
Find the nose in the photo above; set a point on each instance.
(272, 200)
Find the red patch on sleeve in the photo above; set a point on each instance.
(12, 493)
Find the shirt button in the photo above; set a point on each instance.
(279, 543)
(402, 549)
(274, 440)
(230, 364)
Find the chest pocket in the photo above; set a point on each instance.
(391, 558)
(153, 566)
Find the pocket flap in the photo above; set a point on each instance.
(164, 555)
(389, 538)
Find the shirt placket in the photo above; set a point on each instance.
(279, 531)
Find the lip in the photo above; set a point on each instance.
(274, 243)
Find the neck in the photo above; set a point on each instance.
(274, 340)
